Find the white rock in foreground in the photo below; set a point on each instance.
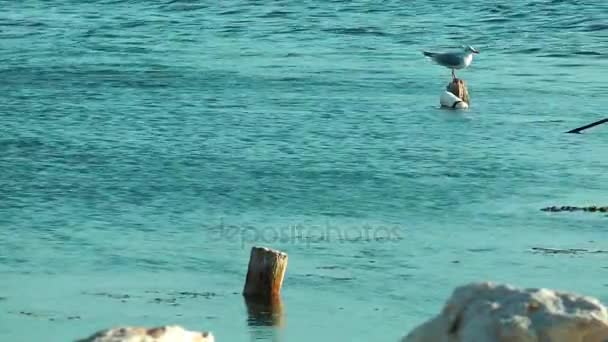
(488, 312)
(160, 334)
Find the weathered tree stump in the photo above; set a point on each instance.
(262, 290)
(459, 88)
(265, 273)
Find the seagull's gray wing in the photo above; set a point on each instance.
(448, 59)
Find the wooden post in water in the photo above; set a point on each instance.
(265, 273)
(262, 290)
(459, 88)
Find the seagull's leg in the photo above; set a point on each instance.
(453, 75)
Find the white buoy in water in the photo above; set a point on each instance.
(450, 100)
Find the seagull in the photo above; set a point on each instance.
(453, 60)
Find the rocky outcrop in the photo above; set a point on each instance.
(488, 312)
(159, 334)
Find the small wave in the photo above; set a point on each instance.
(459, 26)
(177, 6)
(556, 55)
(20, 143)
(587, 53)
(407, 41)
(570, 65)
(98, 32)
(545, 121)
(495, 20)
(529, 50)
(375, 10)
(357, 31)
(21, 23)
(133, 24)
(5, 35)
(596, 27)
(289, 30)
(518, 15)
(481, 250)
(232, 29)
(276, 14)
(231, 12)
(569, 23)
(523, 74)
(500, 9)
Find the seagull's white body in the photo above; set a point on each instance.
(453, 60)
(466, 61)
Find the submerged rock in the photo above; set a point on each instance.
(592, 208)
(159, 334)
(571, 251)
(488, 312)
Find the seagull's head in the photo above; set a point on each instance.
(470, 49)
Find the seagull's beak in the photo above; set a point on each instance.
(475, 51)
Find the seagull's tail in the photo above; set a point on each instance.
(428, 54)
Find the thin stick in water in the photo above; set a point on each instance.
(578, 130)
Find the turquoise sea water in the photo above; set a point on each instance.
(145, 146)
